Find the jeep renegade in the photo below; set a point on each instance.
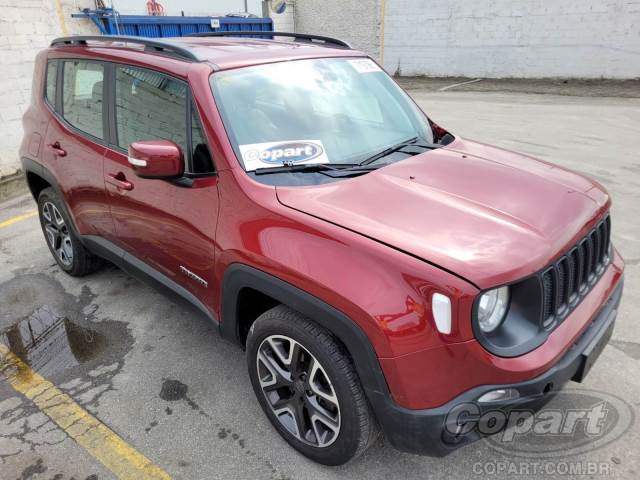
(378, 270)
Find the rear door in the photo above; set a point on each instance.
(75, 140)
(168, 224)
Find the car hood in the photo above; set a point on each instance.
(488, 215)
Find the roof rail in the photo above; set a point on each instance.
(298, 37)
(153, 46)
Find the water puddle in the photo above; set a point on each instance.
(50, 343)
(57, 333)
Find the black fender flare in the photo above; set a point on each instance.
(238, 276)
(31, 166)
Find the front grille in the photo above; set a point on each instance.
(571, 276)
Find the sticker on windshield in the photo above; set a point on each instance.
(364, 65)
(275, 154)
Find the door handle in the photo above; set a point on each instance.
(57, 149)
(119, 181)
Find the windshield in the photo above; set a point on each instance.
(318, 111)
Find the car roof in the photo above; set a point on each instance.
(225, 53)
(221, 53)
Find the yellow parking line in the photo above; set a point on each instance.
(18, 218)
(92, 435)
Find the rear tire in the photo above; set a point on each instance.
(307, 386)
(69, 253)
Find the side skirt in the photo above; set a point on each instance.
(144, 272)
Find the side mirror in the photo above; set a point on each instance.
(156, 159)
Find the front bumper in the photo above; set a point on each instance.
(423, 432)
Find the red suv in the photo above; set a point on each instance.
(379, 270)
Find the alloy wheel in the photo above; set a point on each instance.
(57, 233)
(298, 391)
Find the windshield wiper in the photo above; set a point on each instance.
(354, 170)
(307, 167)
(399, 146)
(336, 170)
(347, 169)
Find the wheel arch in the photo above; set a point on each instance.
(38, 178)
(239, 278)
(36, 183)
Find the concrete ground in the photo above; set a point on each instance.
(159, 376)
(565, 87)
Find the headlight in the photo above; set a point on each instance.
(492, 308)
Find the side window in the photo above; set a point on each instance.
(82, 96)
(150, 106)
(51, 79)
(200, 154)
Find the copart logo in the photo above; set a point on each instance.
(288, 152)
(572, 423)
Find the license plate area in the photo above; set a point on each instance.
(590, 354)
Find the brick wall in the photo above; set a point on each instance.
(513, 38)
(26, 26)
(486, 38)
(357, 22)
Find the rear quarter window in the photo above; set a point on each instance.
(82, 96)
(51, 80)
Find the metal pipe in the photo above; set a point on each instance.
(60, 13)
(383, 11)
(115, 17)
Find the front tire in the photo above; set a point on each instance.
(70, 255)
(308, 387)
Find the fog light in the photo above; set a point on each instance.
(500, 395)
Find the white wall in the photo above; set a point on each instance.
(356, 21)
(284, 22)
(513, 38)
(26, 27)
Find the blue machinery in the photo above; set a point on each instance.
(110, 22)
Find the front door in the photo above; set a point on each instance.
(168, 224)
